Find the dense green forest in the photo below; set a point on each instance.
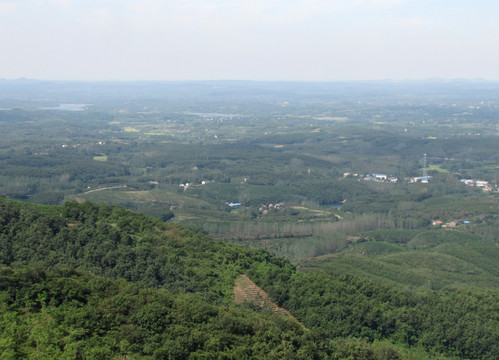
(369, 211)
(94, 281)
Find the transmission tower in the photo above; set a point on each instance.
(425, 173)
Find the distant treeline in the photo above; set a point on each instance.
(269, 230)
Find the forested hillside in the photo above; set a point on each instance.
(97, 282)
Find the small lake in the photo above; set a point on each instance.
(215, 115)
(67, 107)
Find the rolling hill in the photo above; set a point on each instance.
(95, 281)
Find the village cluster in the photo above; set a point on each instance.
(389, 178)
(450, 224)
(381, 178)
(187, 184)
(484, 185)
(265, 209)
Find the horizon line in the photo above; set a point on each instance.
(20, 79)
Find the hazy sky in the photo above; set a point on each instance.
(249, 39)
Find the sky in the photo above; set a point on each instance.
(264, 40)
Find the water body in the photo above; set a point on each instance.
(67, 107)
(215, 115)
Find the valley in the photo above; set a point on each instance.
(369, 211)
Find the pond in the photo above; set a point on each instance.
(67, 107)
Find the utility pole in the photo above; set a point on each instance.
(425, 173)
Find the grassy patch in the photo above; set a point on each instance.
(437, 168)
(100, 158)
(130, 129)
(158, 133)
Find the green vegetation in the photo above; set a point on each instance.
(130, 129)
(96, 281)
(431, 259)
(437, 168)
(68, 314)
(371, 269)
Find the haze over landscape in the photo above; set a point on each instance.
(318, 40)
(235, 179)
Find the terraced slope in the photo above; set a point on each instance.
(247, 292)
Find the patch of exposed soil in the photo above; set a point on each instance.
(246, 291)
